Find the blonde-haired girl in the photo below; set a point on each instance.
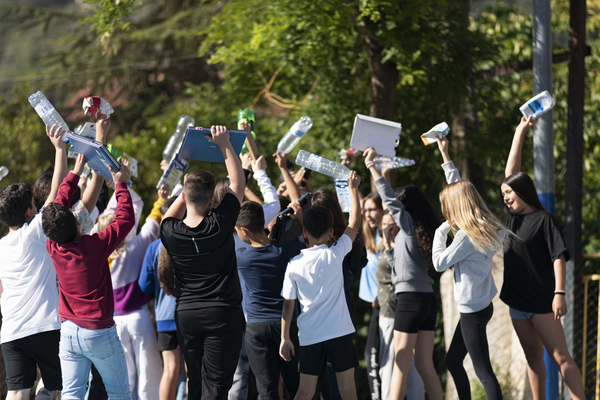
(478, 235)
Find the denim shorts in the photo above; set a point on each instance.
(516, 314)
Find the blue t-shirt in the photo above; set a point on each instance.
(262, 270)
(164, 305)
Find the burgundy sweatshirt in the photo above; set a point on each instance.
(85, 289)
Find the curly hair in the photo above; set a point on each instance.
(59, 223)
(166, 274)
(425, 219)
(15, 200)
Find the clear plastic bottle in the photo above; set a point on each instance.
(47, 112)
(293, 136)
(389, 163)
(3, 172)
(321, 165)
(538, 105)
(175, 141)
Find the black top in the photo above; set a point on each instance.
(529, 261)
(204, 259)
(262, 270)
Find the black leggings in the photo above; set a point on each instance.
(470, 336)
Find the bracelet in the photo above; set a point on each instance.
(560, 292)
(369, 164)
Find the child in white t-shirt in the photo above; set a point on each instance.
(316, 280)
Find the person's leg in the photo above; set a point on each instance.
(415, 388)
(147, 356)
(424, 364)
(386, 355)
(123, 331)
(96, 391)
(346, 384)
(22, 394)
(534, 354)
(104, 349)
(372, 356)
(74, 365)
(239, 386)
(171, 371)
(473, 326)
(222, 344)
(454, 363)
(190, 334)
(552, 335)
(308, 384)
(289, 370)
(404, 344)
(263, 355)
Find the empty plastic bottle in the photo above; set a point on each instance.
(322, 165)
(293, 136)
(246, 115)
(538, 105)
(47, 112)
(389, 163)
(3, 172)
(174, 143)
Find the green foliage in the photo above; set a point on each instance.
(110, 15)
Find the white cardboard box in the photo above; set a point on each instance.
(378, 133)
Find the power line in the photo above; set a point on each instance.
(141, 66)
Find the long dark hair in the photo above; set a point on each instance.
(368, 233)
(524, 187)
(166, 275)
(326, 198)
(424, 217)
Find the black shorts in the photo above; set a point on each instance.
(167, 340)
(339, 350)
(415, 311)
(21, 357)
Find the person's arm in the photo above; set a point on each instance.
(68, 187)
(290, 184)
(450, 170)
(271, 203)
(559, 304)
(445, 257)
(354, 220)
(90, 196)
(286, 347)
(369, 156)
(147, 280)
(513, 164)
(60, 160)
(220, 137)
(124, 219)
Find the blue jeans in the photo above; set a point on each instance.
(79, 348)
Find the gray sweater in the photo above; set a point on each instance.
(474, 286)
(410, 269)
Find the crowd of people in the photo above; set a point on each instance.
(202, 298)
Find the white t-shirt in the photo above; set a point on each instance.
(316, 279)
(30, 298)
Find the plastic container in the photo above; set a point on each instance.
(391, 163)
(3, 172)
(47, 112)
(174, 143)
(322, 165)
(538, 105)
(246, 115)
(293, 136)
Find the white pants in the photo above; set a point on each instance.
(144, 364)
(415, 390)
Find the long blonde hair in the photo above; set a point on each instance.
(464, 209)
(102, 224)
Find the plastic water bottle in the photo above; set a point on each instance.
(389, 163)
(322, 165)
(538, 105)
(246, 115)
(174, 143)
(3, 172)
(293, 136)
(47, 112)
